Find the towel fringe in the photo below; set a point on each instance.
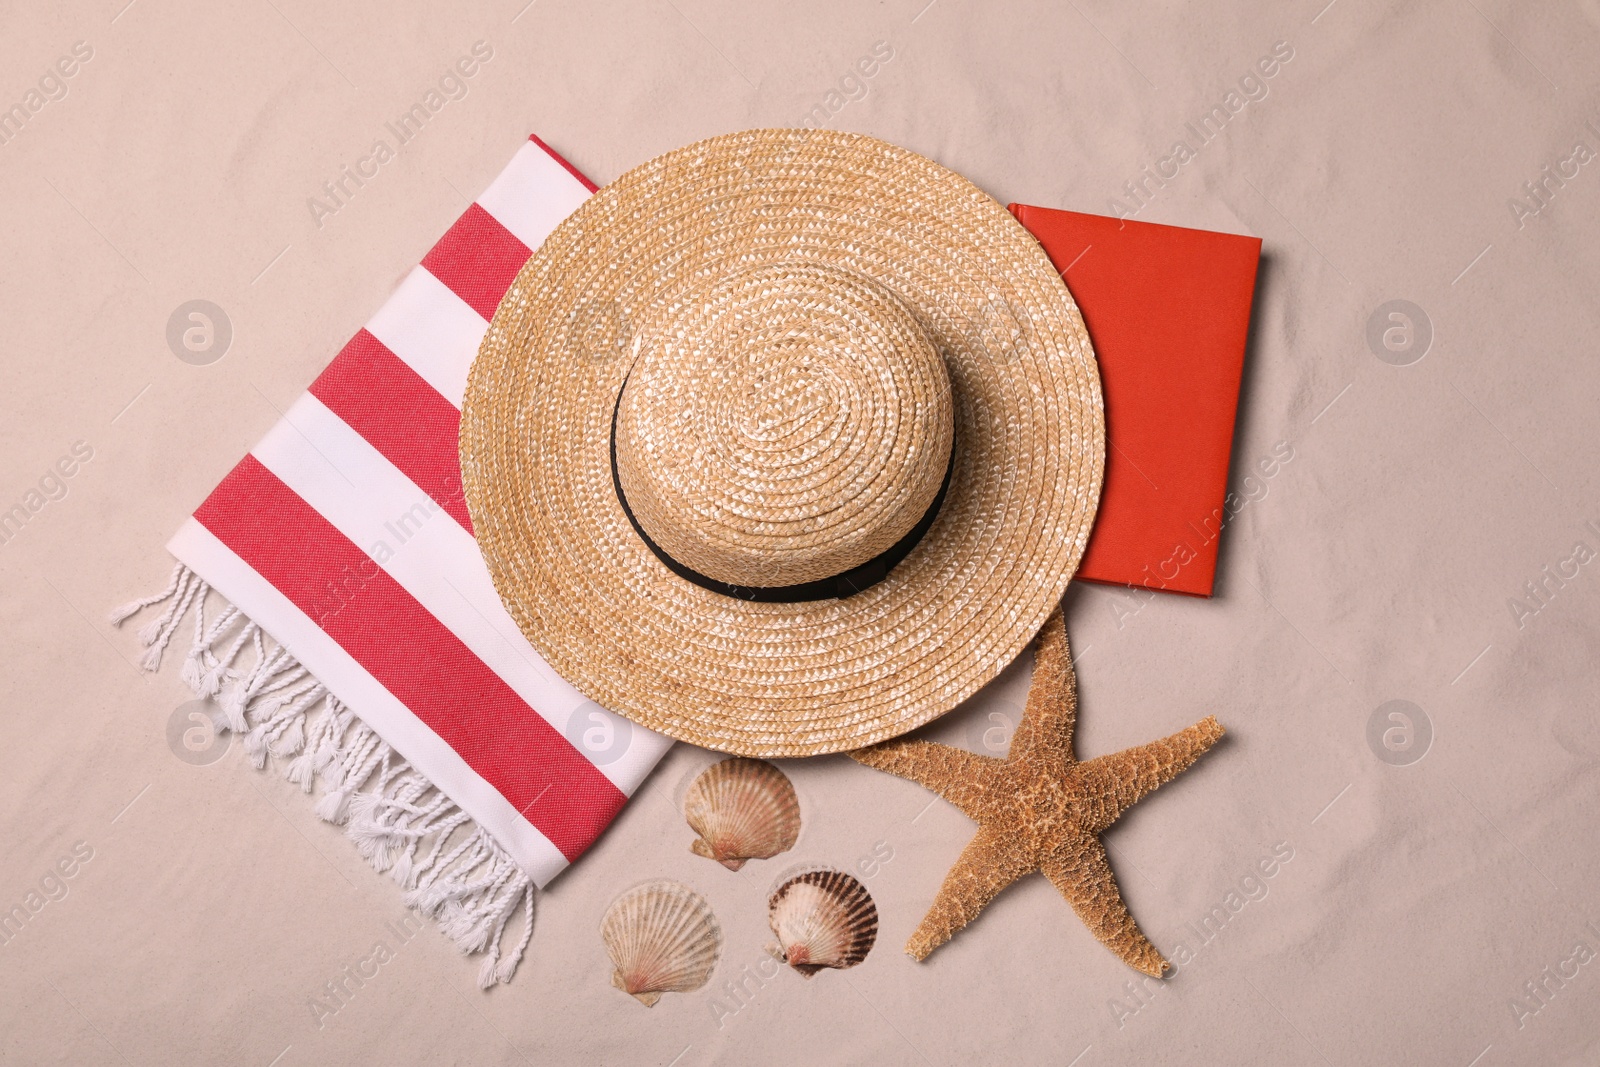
(390, 811)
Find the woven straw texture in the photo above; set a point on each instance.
(825, 439)
(774, 292)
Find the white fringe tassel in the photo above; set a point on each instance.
(463, 880)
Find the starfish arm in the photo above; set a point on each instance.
(990, 862)
(955, 774)
(1114, 783)
(1051, 714)
(1080, 870)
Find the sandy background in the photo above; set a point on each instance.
(1428, 884)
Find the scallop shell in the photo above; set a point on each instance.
(742, 809)
(662, 938)
(822, 918)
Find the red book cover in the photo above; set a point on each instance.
(1168, 312)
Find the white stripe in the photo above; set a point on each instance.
(533, 195)
(378, 708)
(376, 506)
(433, 330)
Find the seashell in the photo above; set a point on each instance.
(822, 918)
(662, 938)
(742, 809)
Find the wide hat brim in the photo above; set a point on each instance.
(784, 679)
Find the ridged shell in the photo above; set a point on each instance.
(822, 918)
(742, 809)
(662, 938)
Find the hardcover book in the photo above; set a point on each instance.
(1168, 311)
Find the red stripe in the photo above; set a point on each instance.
(401, 415)
(412, 654)
(553, 154)
(477, 259)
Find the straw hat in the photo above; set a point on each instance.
(784, 443)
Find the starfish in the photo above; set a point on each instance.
(1039, 809)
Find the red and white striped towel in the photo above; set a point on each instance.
(454, 754)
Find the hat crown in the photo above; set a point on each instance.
(783, 425)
